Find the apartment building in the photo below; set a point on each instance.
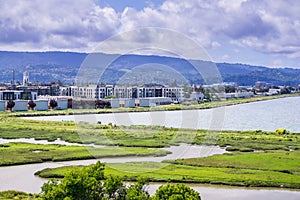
(17, 95)
(122, 92)
(89, 92)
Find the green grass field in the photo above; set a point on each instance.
(23, 153)
(248, 170)
(281, 161)
(143, 136)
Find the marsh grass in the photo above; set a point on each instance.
(281, 161)
(8, 195)
(145, 136)
(167, 172)
(24, 153)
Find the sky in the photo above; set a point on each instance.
(256, 32)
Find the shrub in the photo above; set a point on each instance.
(102, 104)
(178, 191)
(10, 104)
(31, 105)
(281, 131)
(53, 104)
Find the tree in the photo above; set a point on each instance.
(110, 97)
(114, 188)
(176, 192)
(137, 191)
(285, 90)
(107, 104)
(31, 105)
(207, 95)
(70, 103)
(82, 184)
(53, 104)
(89, 183)
(10, 104)
(51, 190)
(187, 89)
(102, 104)
(230, 89)
(99, 104)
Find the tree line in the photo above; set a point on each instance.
(71, 104)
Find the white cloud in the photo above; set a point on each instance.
(55, 24)
(183, 16)
(215, 44)
(225, 57)
(264, 26)
(261, 25)
(230, 5)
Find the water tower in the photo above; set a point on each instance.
(25, 78)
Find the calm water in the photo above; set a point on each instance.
(264, 115)
(57, 141)
(233, 193)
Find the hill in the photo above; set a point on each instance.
(63, 66)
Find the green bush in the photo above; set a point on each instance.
(176, 192)
(281, 131)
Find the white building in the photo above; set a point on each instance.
(197, 96)
(17, 95)
(154, 101)
(89, 92)
(273, 91)
(64, 91)
(2, 105)
(122, 92)
(62, 101)
(62, 104)
(10, 95)
(41, 104)
(21, 105)
(235, 95)
(175, 93)
(101, 92)
(244, 94)
(127, 103)
(114, 103)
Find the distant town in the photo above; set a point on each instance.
(55, 95)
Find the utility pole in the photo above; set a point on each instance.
(13, 81)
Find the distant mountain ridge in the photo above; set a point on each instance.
(63, 66)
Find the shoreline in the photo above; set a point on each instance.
(193, 185)
(172, 107)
